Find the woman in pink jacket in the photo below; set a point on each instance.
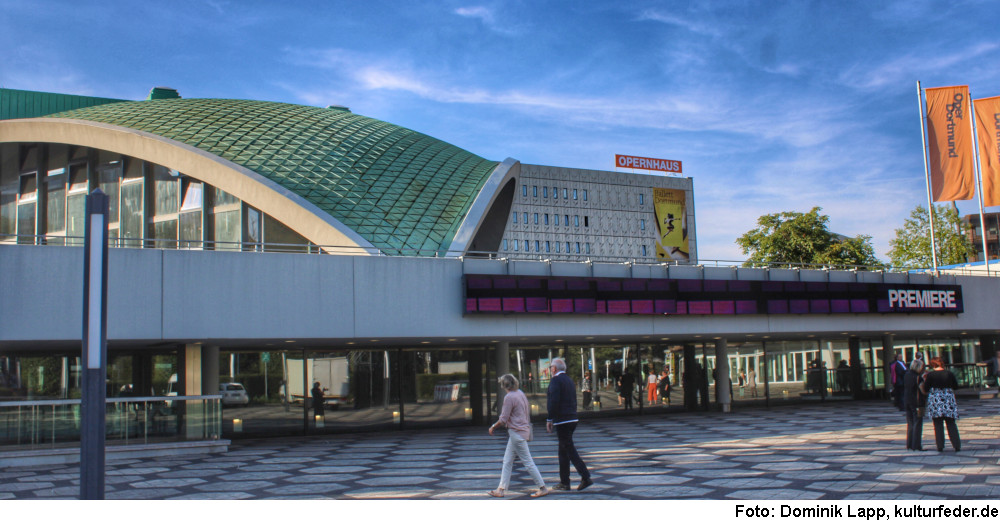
(516, 415)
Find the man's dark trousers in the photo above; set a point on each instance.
(568, 453)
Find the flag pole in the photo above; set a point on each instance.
(979, 176)
(927, 177)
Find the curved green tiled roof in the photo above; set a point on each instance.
(401, 190)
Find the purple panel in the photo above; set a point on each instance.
(715, 285)
(682, 308)
(529, 283)
(489, 305)
(689, 285)
(739, 285)
(798, 306)
(584, 305)
(577, 284)
(746, 307)
(658, 285)
(839, 306)
(819, 306)
(857, 287)
(619, 307)
(513, 304)
(562, 305)
(634, 285)
(537, 304)
(816, 287)
(504, 283)
(609, 286)
(470, 305)
(700, 307)
(556, 284)
(723, 307)
(772, 287)
(665, 306)
(883, 305)
(642, 306)
(859, 305)
(838, 287)
(795, 286)
(777, 306)
(602, 307)
(478, 282)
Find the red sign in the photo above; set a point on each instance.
(647, 163)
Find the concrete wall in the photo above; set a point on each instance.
(236, 298)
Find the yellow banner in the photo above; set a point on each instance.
(988, 128)
(949, 136)
(670, 208)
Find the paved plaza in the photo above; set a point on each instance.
(834, 450)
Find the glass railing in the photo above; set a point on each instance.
(55, 423)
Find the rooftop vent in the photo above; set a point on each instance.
(163, 93)
(342, 108)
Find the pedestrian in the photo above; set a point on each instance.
(940, 385)
(317, 399)
(562, 417)
(516, 416)
(992, 370)
(914, 402)
(585, 387)
(663, 387)
(752, 380)
(897, 371)
(627, 384)
(651, 380)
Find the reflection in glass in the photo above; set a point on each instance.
(55, 197)
(227, 230)
(165, 234)
(75, 217)
(109, 175)
(131, 217)
(190, 230)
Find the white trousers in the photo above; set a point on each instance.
(516, 445)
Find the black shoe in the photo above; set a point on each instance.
(561, 487)
(585, 484)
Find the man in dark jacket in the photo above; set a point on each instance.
(913, 401)
(562, 416)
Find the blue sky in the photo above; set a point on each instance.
(771, 106)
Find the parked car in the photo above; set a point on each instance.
(233, 393)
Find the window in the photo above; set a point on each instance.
(568, 249)
(577, 248)
(588, 248)
(586, 221)
(525, 215)
(534, 191)
(515, 245)
(536, 246)
(556, 217)
(574, 194)
(524, 190)
(584, 194)
(642, 224)
(536, 219)
(643, 250)
(565, 193)
(547, 246)
(505, 244)
(545, 192)
(566, 221)
(641, 199)
(526, 248)
(515, 217)
(555, 192)
(546, 219)
(55, 182)
(576, 220)
(557, 247)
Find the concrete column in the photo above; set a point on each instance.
(210, 369)
(723, 390)
(854, 351)
(503, 367)
(476, 385)
(193, 427)
(888, 357)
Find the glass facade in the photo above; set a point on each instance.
(43, 190)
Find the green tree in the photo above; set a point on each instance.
(912, 246)
(795, 238)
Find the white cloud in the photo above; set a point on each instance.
(909, 68)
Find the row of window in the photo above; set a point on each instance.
(555, 192)
(570, 249)
(544, 220)
(565, 193)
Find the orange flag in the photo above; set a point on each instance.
(988, 130)
(949, 134)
